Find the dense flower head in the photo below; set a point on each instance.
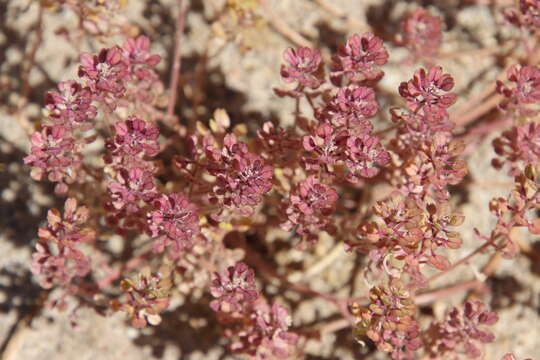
(520, 145)
(175, 222)
(302, 66)
(527, 15)
(134, 137)
(309, 207)
(389, 320)
(360, 58)
(411, 233)
(104, 72)
(263, 333)
(325, 146)
(52, 154)
(523, 95)
(428, 91)
(272, 324)
(242, 177)
(130, 188)
(233, 288)
(351, 107)
(531, 12)
(72, 106)
(463, 330)
(422, 33)
(365, 156)
(135, 50)
(57, 260)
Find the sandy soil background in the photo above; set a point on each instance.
(240, 81)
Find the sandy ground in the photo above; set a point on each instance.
(241, 82)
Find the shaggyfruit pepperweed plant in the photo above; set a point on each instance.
(195, 203)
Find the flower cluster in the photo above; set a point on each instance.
(526, 16)
(410, 232)
(57, 260)
(523, 92)
(421, 33)
(389, 320)
(303, 64)
(145, 296)
(233, 288)
(131, 188)
(174, 222)
(242, 177)
(256, 328)
(462, 331)
(519, 146)
(428, 91)
(309, 208)
(116, 77)
(359, 59)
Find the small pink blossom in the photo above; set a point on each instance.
(57, 261)
(351, 107)
(72, 106)
(130, 188)
(234, 289)
(135, 50)
(523, 95)
(365, 156)
(309, 207)
(302, 65)
(428, 91)
(326, 144)
(463, 330)
(360, 58)
(242, 177)
(422, 33)
(135, 137)
(175, 222)
(104, 72)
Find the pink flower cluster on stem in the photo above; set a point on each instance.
(255, 328)
(57, 260)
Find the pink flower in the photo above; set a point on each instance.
(272, 325)
(52, 154)
(135, 137)
(175, 222)
(519, 144)
(365, 155)
(359, 58)
(327, 146)
(242, 177)
(132, 187)
(422, 33)
(234, 288)
(135, 50)
(72, 106)
(351, 107)
(56, 260)
(524, 95)
(427, 91)
(530, 10)
(104, 72)
(309, 207)
(463, 331)
(303, 64)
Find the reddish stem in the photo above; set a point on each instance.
(177, 61)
